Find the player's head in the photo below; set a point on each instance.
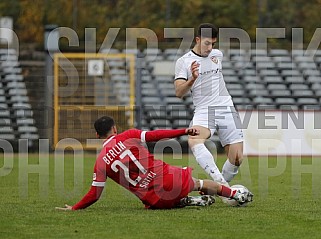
(206, 37)
(105, 126)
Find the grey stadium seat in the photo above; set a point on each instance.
(252, 79)
(299, 87)
(160, 124)
(255, 86)
(152, 100)
(278, 52)
(149, 92)
(235, 93)
(265, 65)
(261, 59)
(303, 93)
(286, 65)
(280, 59)
(294, 80)
(311, 72)
(231, 79)
(284, 101)
(313, 79)
(273, 80)
(292, 72)
(276, 87)
(181, 123)
(307, 65)
(173, 101)
(168, 92)
(259, 92)
(280, 93)
(269, 72)
(234, 86)
(262, 101)
(307, 101)
(258, 52)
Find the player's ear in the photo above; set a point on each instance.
(97, 135)
(197, 40)
(114, 129)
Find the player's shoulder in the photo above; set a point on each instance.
(186, 58)
(217, 52)
(130, 133)
(187, 55)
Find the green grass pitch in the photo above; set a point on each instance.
(286, 204)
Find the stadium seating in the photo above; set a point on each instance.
(275, 78)
(16, 117)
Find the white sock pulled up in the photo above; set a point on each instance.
(206, 161)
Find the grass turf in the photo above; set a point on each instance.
(283, 207)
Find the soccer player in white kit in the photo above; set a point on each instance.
(200, 72)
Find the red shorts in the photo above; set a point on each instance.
(177, 184)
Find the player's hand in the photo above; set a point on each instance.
(192, 131)
(66, 208)
(195, 70)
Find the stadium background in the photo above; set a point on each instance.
(271, 78)
(287, 195)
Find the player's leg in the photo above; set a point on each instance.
(202, 155)
(234, 154)
(210, 188)
(231, 136)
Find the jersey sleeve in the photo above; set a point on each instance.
(219, 54)
(90, 198)
(96, 189)
(181, 70)
(156, 135)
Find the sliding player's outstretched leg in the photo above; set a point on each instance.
(238, 193)
(204, 200)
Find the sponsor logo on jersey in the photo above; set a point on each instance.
(214, 59)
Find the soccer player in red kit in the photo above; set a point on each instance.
(157, 184)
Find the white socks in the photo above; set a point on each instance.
(229, 170)
(206, 161)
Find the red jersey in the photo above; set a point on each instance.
(125, 160)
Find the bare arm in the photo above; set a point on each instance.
(183, 86)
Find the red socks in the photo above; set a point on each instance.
(226, 192)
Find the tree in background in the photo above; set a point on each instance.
(31, 16)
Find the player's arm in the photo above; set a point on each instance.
(90, 198)
(94, 192)
(156, 135)
(182, 86)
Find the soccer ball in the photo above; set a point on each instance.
(241, 189)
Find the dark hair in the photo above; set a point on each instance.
(207, 30)
(103, 125)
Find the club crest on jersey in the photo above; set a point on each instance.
(214, 59)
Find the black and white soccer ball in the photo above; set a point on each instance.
(243, 190)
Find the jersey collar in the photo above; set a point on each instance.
(198, 54)
(108, 140)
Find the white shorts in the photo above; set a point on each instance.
(225, 120)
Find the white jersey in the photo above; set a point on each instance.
(209, 88)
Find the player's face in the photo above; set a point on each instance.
(206, 45)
